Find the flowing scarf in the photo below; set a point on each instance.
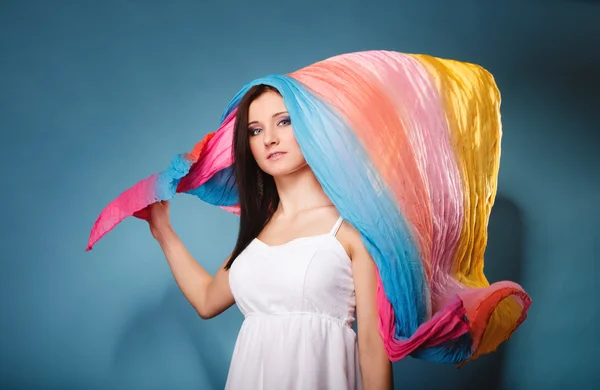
(407, 148)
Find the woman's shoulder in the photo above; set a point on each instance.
(350, 238)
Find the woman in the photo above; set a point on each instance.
(407, 149)
(298, 272)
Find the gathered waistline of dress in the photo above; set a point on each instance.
(341, 321)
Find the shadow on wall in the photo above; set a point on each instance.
(167, 346)
(503, 261)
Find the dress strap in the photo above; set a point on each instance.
(336, 227)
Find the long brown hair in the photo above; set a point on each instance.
(258, 196)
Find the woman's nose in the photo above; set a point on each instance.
(270, 138)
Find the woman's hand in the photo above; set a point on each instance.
(158, 217)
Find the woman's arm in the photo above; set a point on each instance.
(210, 296)
(375, 366)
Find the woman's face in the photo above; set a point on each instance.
(271, 136)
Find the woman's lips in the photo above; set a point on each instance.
(276, 156)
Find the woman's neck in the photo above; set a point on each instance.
(299, 191)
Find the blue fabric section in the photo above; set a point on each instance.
(219, 190)
(168, 180)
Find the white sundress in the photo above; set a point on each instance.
(298, 302)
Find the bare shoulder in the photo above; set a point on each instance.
(351, 240)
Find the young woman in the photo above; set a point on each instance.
(407, 148)
(299, 273)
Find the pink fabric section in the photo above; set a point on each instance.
(134, 199)
(215, 157)
(447, 324)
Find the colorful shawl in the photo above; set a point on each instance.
(407, 148)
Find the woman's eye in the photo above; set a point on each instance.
(254, 131)
(285, 122)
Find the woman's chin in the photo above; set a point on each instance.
(283, 170)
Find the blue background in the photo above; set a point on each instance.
(96, 95)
